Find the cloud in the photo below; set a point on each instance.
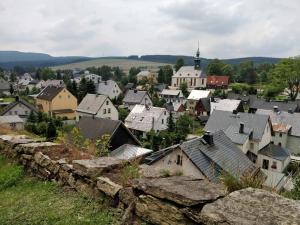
(225, 28)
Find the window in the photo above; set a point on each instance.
(179, 160)
(107, 102)
(265, 164)
(16, 112)
(280, 134)
(26, 112)
(108, 110)
(202, 81)
(279, 143)
(165, 113)
(162, 121)
(10, 112)
(274, 165)
(104, 111)
(251, 146)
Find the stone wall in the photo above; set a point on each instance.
(166, 201)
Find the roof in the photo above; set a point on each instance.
(221, 120)
(174, 106)
(281, 117)
(108, 88)
(198, 94)
(282, 105)
(225, 104)
(160, 87)
(275, 152)
(282, 128)
(236, 137)
(49, 92)
(171, 92)
(128, 151)
(19, 101)
(129, 85)
(10, 119)
(134, 96)
(91, 103)
(206, 104)
(189, 71)
(94, 128)
(141, 117)
(223, 154)
(143, 73)
(58, 83)
(217, 80)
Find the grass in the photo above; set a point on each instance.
(28, 201)
(9, 99)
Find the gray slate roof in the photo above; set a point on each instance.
(10, 119)
(282, 106)
(128, 151)
(108, 88)
(238, 138)
(275, 151)
(134, 96)
(91, 103)
(210, 159)
(221, 120)
(19, 101)
(49, 92)
(282, 117)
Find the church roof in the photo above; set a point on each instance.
(189, 71)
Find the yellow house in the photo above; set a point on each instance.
(57, 101)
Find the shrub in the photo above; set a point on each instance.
(165, 173)
(130, 171)
(10, 174)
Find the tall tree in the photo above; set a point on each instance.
(179, 64)
(51, 131)
(11, 89)
(168, 73)
(132, 74)
(184, 89)
(90, 87)
(160, 76)
(171, 124)
(82, 89)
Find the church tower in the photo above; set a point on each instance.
(197, 60)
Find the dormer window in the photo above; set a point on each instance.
(107, 102)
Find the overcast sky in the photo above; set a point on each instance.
(224, 28)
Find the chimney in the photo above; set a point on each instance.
(208, 137)
(241, 130)
(290, 111)
(275, 108)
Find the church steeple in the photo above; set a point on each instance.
(197, 60)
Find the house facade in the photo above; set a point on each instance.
(135, 97)
(193, 76)
(198, 102)
(57, 101)
(172, 95)
(94, 105)
(109, 88)
(12, 123)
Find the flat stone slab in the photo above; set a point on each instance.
(251, 206)
(17, 139)
(107, 186)
(182, 190)
(95, 167)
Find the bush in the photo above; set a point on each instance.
(165, 173)
(10, 174)
(130, 171)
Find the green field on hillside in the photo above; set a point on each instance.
(124, 64)
(28, 201)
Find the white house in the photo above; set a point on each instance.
(226, 105)
(94, 105)
(143, 119)
(109, 88)
(11, 122)
(172, 95)
(193, 76)
(135, 97)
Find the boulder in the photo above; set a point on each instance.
(107, 186)
(31, 148)
(251, 206)
(41, 159)
(182, 190)
(155, 211)
(95, 167)
(127, 196)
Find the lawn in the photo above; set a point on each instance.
(26, 200)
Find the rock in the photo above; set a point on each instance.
(127, 218)
(84, 187)
(53, 167)
(107, 186)
(251, 206)
(127, 196)
(182, 190)
(156, 211)
(26, 157)
(149, 171)
(62, 161)
(31, 148)
(41, 159)
(95, 167)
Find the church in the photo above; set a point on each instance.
(194, 76)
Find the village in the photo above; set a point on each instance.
(177, 121)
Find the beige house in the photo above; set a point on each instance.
(57, 101)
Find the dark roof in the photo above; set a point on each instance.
(236, 137)
(160, 87)
(206, 104)
(19, 101)
(221, 120)
(49, 92)
(94, 128)
(275, 151)
(223, 154)
(244, 98)
(282, 105)
(129, 85)
(134, 96)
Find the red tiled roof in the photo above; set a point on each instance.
(218, 80)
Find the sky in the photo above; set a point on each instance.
(224, 28)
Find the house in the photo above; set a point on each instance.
(193, 76)
(24, 81)
(20, 108)
(143, 119)
(176, 108)
(246, 99)
(56, 83)
(208, 157)
(130, 152)
(4, 86)
(11, 122)
(270, 105)
(198, 102)
(226, 105)
(250, 132)
(93, 77)
(94, 105)
(135, 97)
(57, 101)
(217, 82)
(109, 88)
(95, 128)
(146, 74)
(286, 127)
(172, 95)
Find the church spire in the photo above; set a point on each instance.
(197, 60)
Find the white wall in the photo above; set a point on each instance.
(159, 125)
(19, 109)
(277, 139)
(280, 165)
